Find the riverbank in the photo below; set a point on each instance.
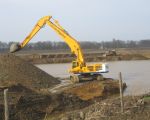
(33, 94)
(49, 57)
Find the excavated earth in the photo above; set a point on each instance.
(14, 70)
(135, 108)
(30, 98)
(23, 80)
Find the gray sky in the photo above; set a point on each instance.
(85, 20)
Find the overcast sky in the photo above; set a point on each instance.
(85, 20)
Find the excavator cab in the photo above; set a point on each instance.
(75, 64)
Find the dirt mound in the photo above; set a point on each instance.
(25, 104)
(14, 70)
(35, 106)
(94, 89)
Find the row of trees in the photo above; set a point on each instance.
(47, 45)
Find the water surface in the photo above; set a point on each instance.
(136, 74)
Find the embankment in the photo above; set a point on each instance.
(42, 57)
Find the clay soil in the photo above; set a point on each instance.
(93, 89)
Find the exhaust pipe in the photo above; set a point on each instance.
(15, 47)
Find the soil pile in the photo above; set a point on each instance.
(14, 70)
(93, 89)
(26, 104)
(36, 106)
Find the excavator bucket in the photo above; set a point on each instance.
(14, 47)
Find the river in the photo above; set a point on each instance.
(136, 74)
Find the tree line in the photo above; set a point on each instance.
(114, 44)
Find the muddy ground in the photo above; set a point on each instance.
(26, 104)
(135, 108)
(35, 95)
(33, 106)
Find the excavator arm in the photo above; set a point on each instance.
(72, 43)
(35, 30)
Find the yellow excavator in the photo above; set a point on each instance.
(79, 70)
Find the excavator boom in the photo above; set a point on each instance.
(72, 43)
